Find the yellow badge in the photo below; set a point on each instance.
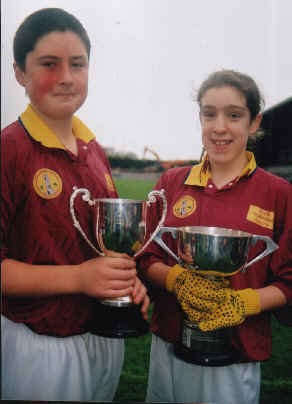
(109, 182)
(184, 207)
(264, 218)
(47, 183)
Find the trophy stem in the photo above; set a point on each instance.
(124, 301)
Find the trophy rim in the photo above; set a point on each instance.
(120, 200)
(214, 231)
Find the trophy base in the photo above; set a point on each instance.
(211, 348)
(119, 322)
(202, 358)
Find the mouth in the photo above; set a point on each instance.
(221, 142)
(64, 95)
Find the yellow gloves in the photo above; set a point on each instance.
(232, 310)
(210, 302)
(195, 293)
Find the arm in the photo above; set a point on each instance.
(271, 298)
(157, 273)
(101, 277)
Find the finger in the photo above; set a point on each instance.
(193, 315)
(122, 275)
(209, 303)
(139, 292)
(122, 263)
(145, 306)
(210, 325)
(117, 284)
(115, 254)
(113, 293)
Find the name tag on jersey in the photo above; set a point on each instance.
(262, 217)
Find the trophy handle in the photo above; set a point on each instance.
(271, 246)
(161, 243)
(152, 199)
(86, 198)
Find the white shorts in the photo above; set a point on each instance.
(173, 380)
(39, 367)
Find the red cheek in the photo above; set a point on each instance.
(46, 83)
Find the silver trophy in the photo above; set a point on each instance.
(120, 226)
(217, 252)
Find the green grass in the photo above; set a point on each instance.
(276, 372)
(133, 189)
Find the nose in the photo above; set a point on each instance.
(65, 76)
(219, 124)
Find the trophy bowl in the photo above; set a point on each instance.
(120, 225)
(214, 249)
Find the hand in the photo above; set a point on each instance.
(195, 292)
(231, 310)
(107, 277)
(140, 296)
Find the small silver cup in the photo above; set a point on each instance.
(120, 226)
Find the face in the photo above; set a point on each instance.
(226, 125)
(56, 74)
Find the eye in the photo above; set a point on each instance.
(78, 64)
(208, 115)
(234, 115)
(48, 64)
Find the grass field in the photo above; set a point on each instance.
(276, 372)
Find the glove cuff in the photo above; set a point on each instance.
(251, 301)
(172, 275)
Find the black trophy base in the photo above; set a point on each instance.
(203, 358)
(119, 322)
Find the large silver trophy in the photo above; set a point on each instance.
(217, 252)
(120, 226)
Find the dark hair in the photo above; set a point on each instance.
(41, 23)
(242, 82)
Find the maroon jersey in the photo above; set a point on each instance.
(38, 176)
(256, 202)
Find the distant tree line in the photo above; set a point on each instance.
(125, 162)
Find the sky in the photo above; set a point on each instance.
(149, 58)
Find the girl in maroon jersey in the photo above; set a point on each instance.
(226, 190)
(50, 276)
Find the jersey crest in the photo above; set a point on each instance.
(262, 217)
(47, 183)
(184, 206)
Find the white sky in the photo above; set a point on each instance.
(149, 56)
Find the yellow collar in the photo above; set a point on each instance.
(200, 173)
(43, 134)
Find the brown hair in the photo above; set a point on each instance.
(242, 82)
(40, 23)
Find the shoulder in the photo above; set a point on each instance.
(13, 133)
(272, 181)
(176, 174)
(97, 148)
(16, 147)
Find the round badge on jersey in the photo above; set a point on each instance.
(47, 183)
(184, 206)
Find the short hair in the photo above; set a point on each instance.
(40, 23)
(240, 81)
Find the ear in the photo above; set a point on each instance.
(255, 124)
(19, 74)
